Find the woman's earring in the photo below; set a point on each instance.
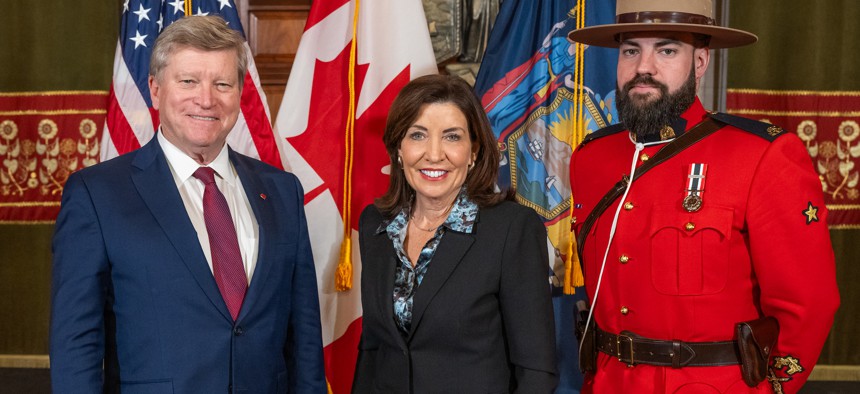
(471, 165)
(399, 161)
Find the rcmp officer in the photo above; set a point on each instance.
(703, 235)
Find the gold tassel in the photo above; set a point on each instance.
(343, 275)
(572, 268)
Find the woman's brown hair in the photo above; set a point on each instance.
(440, 89)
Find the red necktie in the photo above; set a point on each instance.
(226, 259)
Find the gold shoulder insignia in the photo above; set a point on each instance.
(762, 129)
(773, 131)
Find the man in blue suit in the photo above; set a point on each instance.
(185, 267)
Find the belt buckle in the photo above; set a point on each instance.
(622, 337)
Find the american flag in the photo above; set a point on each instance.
(131, 121)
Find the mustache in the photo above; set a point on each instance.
(644, 79)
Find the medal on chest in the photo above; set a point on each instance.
(695, 189)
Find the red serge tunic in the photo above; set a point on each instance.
(758, 246)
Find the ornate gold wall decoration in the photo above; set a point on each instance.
(44, 138)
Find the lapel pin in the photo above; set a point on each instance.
(263, 195)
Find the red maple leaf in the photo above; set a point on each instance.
(322, 144)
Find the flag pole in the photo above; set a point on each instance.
(572, 265)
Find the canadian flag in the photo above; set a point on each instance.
(338, 65)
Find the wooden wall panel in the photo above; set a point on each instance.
(274, 29)
(276, 32)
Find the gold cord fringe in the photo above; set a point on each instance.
(343, 275)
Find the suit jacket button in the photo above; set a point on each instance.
(238, 331)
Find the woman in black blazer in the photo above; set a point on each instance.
(454, 280)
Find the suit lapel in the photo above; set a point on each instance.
(263, 211)
(154, 182)
(381, 267)
(448, 255)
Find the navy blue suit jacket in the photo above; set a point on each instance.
(135, 307)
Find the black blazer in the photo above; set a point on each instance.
(482, 318)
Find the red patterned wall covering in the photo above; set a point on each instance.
(44, 137)
(828, 123)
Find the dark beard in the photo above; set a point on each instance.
(647, 118)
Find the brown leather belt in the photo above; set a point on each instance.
(633, 349)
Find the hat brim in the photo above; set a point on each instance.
(607, 35)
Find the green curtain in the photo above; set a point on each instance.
(803, 45)
(810, 46)
(52, 45)
(45, 45)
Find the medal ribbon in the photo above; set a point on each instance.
(696, 180)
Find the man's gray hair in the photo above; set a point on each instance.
(207, 33)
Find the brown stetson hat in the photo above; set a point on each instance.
(691, 16)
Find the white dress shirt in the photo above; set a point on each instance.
(191, 189)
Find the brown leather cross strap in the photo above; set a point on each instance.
(632, 349)
(690, 137)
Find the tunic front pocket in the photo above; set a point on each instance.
(690, 250)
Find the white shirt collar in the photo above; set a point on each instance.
(184, 166)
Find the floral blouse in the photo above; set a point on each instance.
(406, 277)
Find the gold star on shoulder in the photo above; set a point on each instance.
(811, 213)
